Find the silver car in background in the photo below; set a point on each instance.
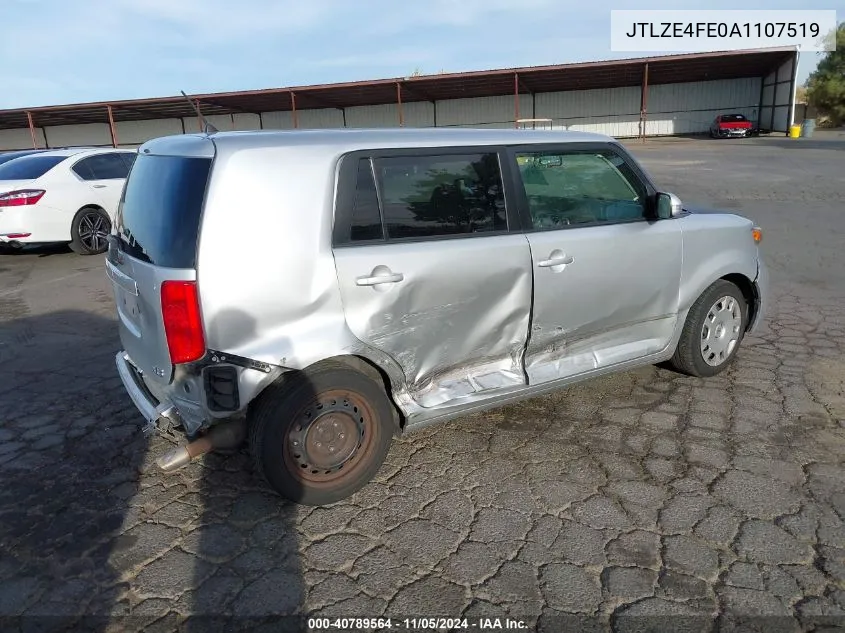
(319, 292)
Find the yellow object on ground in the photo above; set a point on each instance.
(794, 131)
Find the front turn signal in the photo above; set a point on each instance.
(757, 234)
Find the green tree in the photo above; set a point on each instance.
(826, 86)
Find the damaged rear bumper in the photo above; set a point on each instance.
(155, 413)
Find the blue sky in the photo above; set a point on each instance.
(66, 51)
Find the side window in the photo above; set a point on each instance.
(101, 167)
(580, 187)
(129, 159)
(83, 169)
(428, 196)
(366, 218)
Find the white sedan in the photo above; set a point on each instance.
(68, 195)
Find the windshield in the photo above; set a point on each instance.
(29, 167)
(729, 118)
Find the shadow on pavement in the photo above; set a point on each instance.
(69, 463)
(92, 536)
(42, 250)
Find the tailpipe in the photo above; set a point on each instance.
(227, 435)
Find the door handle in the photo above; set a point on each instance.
(556, 261)
(99, 186)
(375, 280)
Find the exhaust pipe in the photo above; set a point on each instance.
(227, 435)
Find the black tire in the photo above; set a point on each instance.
(345, 404)
(89, 230)
(689, 357)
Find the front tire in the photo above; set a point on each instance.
(321, 435)
(713, 331)
(90, 231)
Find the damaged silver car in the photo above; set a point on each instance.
(316, 293)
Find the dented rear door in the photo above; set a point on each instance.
(429, 273)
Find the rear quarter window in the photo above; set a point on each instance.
(160, 211)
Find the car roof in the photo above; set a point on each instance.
(21, 152)
(74, 151)
(346, 139)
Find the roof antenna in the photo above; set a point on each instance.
(208, 128)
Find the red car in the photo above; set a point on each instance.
(731, 125)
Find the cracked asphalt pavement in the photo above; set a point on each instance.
(641, 500)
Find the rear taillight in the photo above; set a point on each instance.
(21, 198)
(180, 310)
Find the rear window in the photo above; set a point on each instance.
(29, 167)
(5, 158)
(159, 217)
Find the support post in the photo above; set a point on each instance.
(516, 100)
(112, 128)
(793, 89)
(399, 104)
(293, 110)
(32, 130)
(774, 100)
(644, 103)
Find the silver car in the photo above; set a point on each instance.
(318, 292)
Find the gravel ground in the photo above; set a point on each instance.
(641, 500)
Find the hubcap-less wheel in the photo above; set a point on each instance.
(93, 231)
(328, 438)
(721, 331)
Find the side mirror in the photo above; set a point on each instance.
(668, 206)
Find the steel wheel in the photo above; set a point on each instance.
(321, 434)
(93, 231)
(328, 437)
(721, 331)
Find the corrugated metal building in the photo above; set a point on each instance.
(666, 95)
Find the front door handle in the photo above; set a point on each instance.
(375, 280)
(99, 186)
(556, 261)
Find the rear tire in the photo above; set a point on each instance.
(89, 231)
(713, 331)
(320, 435)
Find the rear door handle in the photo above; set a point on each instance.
(556, 261)
(99, 186)
(392, 278)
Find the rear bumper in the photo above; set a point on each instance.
(32, 225)
(147, 404)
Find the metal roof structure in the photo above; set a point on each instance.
(533, 79)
